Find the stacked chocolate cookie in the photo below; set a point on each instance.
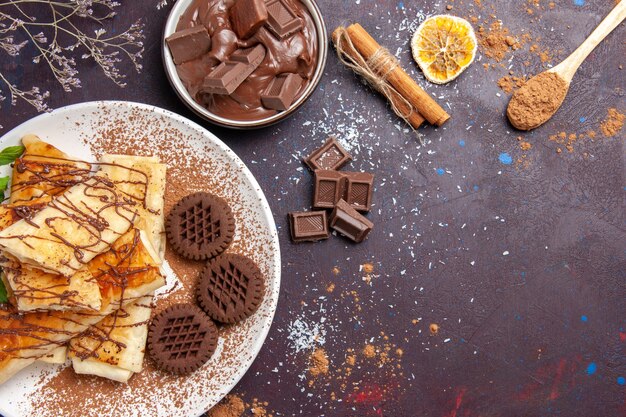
(345, 193)
(201, 227)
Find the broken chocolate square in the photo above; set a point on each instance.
(349, 222)
(308, 226)
(188, 44)
(329, 188)
(330, 156)
(282, 20)
(229, 75)
(359, 189)
(247, 16)
(281, 91)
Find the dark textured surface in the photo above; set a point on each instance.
(521, 265)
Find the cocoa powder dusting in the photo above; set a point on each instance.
(534, 103)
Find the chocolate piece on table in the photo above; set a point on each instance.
(359, 188)
(330, 156)
(349, 222)
(282, 20)
(229, 75)
(188, 44)
(247, 16)
(308, 226)
(281, 91)
(329, 188)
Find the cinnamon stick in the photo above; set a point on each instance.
(414, 118)
(398, 78)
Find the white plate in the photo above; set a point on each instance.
(79, 130)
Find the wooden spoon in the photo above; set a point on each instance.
(536, 102)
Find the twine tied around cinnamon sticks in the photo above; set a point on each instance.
(360, 52)
(375, 71)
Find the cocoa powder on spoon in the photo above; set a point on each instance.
(534, 103)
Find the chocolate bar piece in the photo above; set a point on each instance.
(349, 222)
(308, 226)
(281, 91)
(247, 16)
(359, 187)
(229, 75)
(188, 44)
(356, 188)
(330, 156)
(329, 188)
(282, 21)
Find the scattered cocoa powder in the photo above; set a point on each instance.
(535, 102)
(613, 123)
(230, 406)
(318, 363)
(564, 139)
(510, 83)
(351, 360)
(525, 146)
(259, 409)
(369, 351)
(496, 41)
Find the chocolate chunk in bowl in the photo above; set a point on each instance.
(295, 41)
(247, 16)
(189, 44)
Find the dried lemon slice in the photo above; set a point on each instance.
(443, 46)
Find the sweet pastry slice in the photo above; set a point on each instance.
(142, 179)
(127, 272)
(114, 348)
(34, 289)
(72, 228)
(44, 170)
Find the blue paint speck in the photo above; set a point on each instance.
(583, 119)
(440, 171)
(592, 368)
(462, 143)
(505, 158)
(579, 2)
(583, 318)
(621, 380)
(476, 188)
(401, 5)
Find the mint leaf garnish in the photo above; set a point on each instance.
(10, 154)
(3, 293)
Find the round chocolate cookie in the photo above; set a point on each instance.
(200, 226)
(230, 288)
(182, 338)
